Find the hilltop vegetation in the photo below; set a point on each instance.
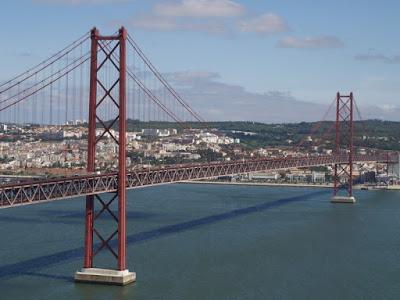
(371, 133)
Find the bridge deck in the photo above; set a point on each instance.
(49, 190)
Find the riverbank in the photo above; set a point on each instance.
(300, 185)
(260, 184)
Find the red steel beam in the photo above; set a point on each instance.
(88, 256)
(351, 146)
(12, 195)
(122, 153)
(344, 142)
(111, 184)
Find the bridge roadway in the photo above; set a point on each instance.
(25, 193)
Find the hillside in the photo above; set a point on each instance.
(371, 133)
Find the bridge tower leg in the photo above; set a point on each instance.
(107, 48)
(343, 172)
(393, 168)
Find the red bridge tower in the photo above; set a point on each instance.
(112, 53)
(343, 177)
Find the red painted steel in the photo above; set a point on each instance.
(351, 145)
(88, 258)
(117, 42)
(343, 172)
(122, 153)
(13, 195)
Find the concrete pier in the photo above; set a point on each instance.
(343, 199)
(394, 169)
(104, 276)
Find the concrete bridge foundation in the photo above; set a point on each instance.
(343, 199)
(394, 169)
(103, 276)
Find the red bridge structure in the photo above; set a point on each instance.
(122, 84)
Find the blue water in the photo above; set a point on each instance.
(213, 242)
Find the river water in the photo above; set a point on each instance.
(214, 242)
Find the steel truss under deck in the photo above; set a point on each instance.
(71, 187)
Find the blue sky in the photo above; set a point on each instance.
(305, 49)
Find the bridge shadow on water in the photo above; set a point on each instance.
(73, 218)
(31, 267)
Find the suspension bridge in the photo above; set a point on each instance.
(108, 80)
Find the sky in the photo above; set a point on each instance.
(256, 55)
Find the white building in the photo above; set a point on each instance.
(72, 134)
(158, 132)
(209, 138)
(264, 176)
(318, 177)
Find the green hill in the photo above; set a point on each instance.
(371, 133)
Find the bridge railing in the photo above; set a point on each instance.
(53, 189)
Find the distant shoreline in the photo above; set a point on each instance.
(305, 185)
(300, 185)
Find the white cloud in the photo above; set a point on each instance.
(200, 8)
(266, 23)
(78, 2)
(216, 100)
(191, 77)
(318, 42)
(212, 16)
(152, 22)
(190, 15)
(378, 58)
(388, 108)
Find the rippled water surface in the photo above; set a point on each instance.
(213, 242)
